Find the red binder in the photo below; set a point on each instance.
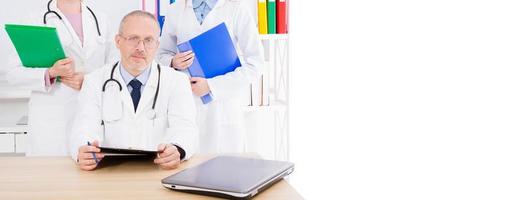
(281, 16)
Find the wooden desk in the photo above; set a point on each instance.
(60, 178)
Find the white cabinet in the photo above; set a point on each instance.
(7, 143)
(20, 142)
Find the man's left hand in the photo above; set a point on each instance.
(168, 156)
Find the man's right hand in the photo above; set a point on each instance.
(182, 60)
(85, 156)
(64, 67)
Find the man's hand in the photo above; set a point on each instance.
(169, 157)
(75, 81)
(64, 67)
(199, 86)
(85, 156)
(182, 60)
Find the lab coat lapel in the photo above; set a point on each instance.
(91, 37)
(210, 16)
(77, 44)
(147, 98)
(125, 95)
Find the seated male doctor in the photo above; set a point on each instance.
(135, 103)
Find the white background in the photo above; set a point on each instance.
(407, 99)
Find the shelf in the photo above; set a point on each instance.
(10, 129)
(274, 36)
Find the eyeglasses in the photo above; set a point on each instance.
(149, 42)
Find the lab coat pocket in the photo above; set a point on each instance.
(156, 131)
(112, 105)
(160, 124)
(114, 134)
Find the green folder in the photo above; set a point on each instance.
(37, 46)
(271, 16)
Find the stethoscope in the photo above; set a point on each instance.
(152, 113)
(49, 11)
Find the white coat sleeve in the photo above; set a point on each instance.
(87, 122)
(246, 33)
(168, 40)
(181, 114)
(19, 76)
(25, 78)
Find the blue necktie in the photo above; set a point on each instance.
(135, 93)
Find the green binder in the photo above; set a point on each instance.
(37, 46)
(271, 16)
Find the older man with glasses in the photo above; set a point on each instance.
(135, 103)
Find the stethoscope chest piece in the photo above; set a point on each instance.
(151, 114)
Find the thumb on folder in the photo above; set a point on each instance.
(183, 60)
(63, 67)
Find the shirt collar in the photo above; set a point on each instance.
(210, 3)
(127, 77)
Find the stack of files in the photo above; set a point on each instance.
(214, 54)
(259, 91)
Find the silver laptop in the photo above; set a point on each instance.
(229, 177)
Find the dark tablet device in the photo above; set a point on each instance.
(129, 151)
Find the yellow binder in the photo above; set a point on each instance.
(262, 16)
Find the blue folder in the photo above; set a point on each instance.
(214, 54)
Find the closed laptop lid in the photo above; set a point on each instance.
(230, 174)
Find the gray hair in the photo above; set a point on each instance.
(137, 13)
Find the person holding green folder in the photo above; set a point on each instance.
(219, 121)
(87, 42)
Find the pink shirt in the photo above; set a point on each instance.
(76, 23)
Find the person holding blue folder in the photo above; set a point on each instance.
(219, 119)
(86, 40)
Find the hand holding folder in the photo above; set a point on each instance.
(214, 53)
(37, 46)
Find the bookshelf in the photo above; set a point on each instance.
(268, 115)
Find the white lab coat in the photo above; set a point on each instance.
(220, 122)
(175, 121)
(51, 109)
